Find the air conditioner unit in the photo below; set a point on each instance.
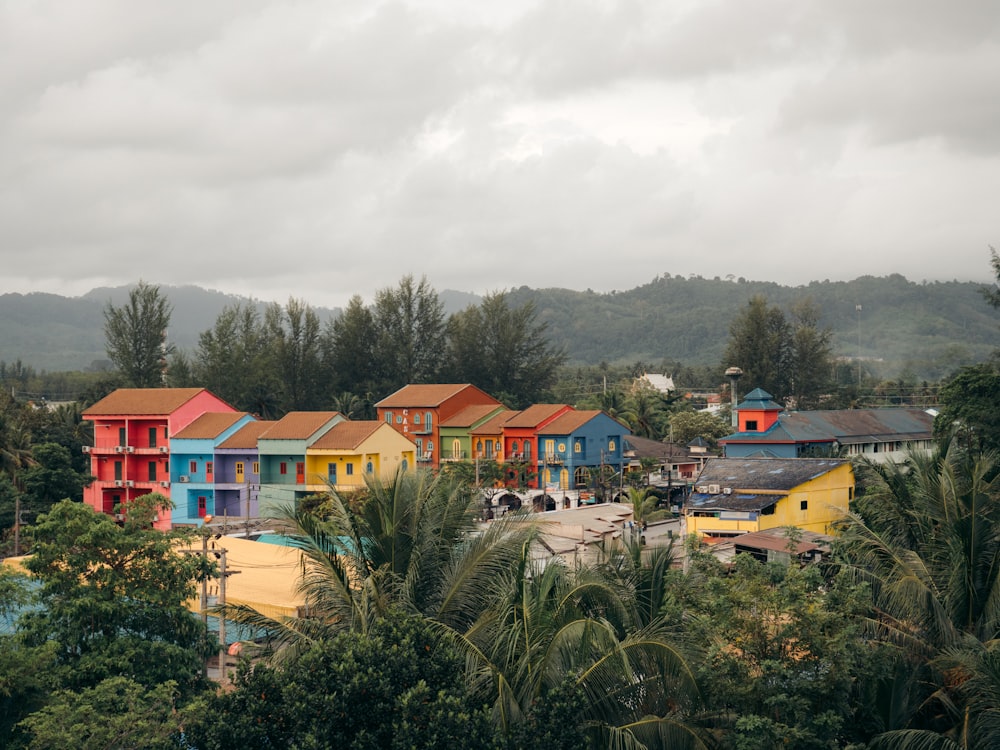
(164, 449)
(713, 489)
(727, 490)
(129, 449)
(86, 449)
(119, 516)
(119, 483)
(184, 478)
(129, 483)
(164, 483)
(702, 488)
(119, 449)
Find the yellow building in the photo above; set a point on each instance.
(348, 451)
(734, 496)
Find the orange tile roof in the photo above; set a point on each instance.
(494, 425)
(534, 415)
(210, 425)
(423, 394)
(298, 425)
(469, 415)
(345, 436)
(570, 421)
(142, 401)
(246, 437)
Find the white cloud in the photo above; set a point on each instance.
(315, 150)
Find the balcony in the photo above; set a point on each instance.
(454, 455)
(553, 458)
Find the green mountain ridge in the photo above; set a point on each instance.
(918, 330)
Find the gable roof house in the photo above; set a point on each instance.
(455, 431)
(765, 429)
(238, 466)
(133, 428)
(734, 496)
(417, 411)
(194, 467)
(349, 451)
(282, 454)
(578, 442)
(520, 437)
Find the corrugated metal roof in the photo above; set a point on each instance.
(348, 435)
(298, 425)
(772, 474)
(142, 402)
(534, 415)
(846, 426)
(419, 395)
(245, 438)
(210, 425)
(740, 502)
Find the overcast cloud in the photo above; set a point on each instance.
(317, 150)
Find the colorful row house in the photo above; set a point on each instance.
(133, 428)
(417, 411)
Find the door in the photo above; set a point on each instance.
(202, 506)
(300, 473)
(239, 472)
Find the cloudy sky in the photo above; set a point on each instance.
(322, 149)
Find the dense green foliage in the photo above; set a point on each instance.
(911, 329)
(136, 336)
(105, 645)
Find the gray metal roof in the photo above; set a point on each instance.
(770, 474)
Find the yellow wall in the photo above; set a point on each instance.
(826, 499)
(386, 449)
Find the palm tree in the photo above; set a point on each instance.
(927, 540)
(549, 622)
(412, 543)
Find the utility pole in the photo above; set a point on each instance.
(857, 309)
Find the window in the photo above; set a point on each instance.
(428, 420)
(209, 468)
(151, 468)
(416, 417)
(118, 469)
(578, 447)
(331, 472)
(804, 505)
(165, 436)
(611, 445)
(152, 437)
(192, 467)
(350, 470)
(369, 468)
(121, 436)
(420, 447)
(527, 450)
(751, 425)
(255, 467)
(388, 417)
(399, 419)
(489, 449)
(430, 446)
(479, 448)
(282, 468)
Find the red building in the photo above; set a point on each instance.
(131, 452)
(520, 435)
(418, 410)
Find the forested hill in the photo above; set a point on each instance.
(921, 330)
